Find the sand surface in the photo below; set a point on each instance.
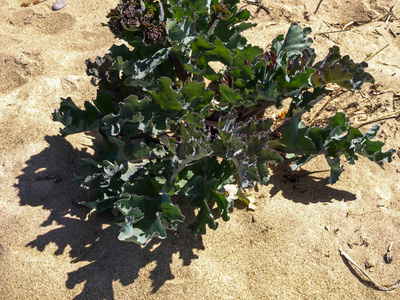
(286, 249)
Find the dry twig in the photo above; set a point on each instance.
(376, 285)
(347, 25)
(318, 7)
(259, 5)
(365, 97)
(80, 257)
(394, 114)
(391, 12)
(335, 95)
(335, 31)
(371, 56)
(102, 254)
(392, 32)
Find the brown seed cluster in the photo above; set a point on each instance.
(133, 17)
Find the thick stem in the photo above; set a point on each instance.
(213, 19)
(257, 110)
(279, 128)
(211, 123)
(180, 70)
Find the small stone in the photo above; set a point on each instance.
(307, 16)
(388, 258)
(369, 264)
(59, 4)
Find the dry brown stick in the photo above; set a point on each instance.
(392, 32)
(388, 91)
(318, 7)
(385, 117)
(391, 12)
(377, 32)
(377, 286)
(102, 254)
(80, 257)
(259, 5)
(371, 56)
(335, 31)
(365, 97)
(327, 24)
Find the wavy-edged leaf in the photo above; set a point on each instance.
(76, 120)
(141, 68)
(294, 42)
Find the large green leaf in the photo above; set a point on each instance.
(340, 70)
(166, 97)
(141, 68)
(147, 217)
(75, 119)
(294, 137)
(295, 41)
(336, 139)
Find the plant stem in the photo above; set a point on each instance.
(180, 70)
(211, 123)
(213, 19)
(279, 128)
(334, 96)
(258, 110)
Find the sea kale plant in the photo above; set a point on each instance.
(174, 122)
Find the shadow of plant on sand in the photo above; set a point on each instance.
(47, 181)
(306, 187)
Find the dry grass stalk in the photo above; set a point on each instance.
(376, 285)
(394, 114)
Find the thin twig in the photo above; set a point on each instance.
(394, 6)
(392, 32)
(377, 32)
(377, 286)
(327, 24)
(385, 117)
(318, 7)
(365, 97)
(102, 254)
(270, 24)
(388, 18)
(347, 25)
(371, 56)
(259, 5)
(335, 31)
(335, 95)
(391, 12)
(80, 257)
(388, 91)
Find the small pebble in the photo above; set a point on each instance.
(369, 264)
(59, 4)
(388, 258)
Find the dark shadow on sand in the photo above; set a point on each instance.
(48, 181)
(306, 187)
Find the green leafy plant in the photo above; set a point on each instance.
(173, 123)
